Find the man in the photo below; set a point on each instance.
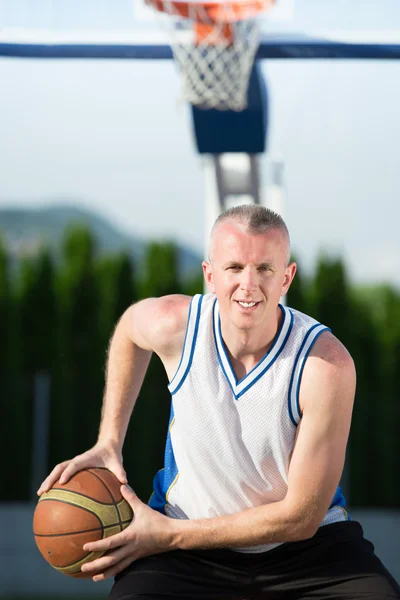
(248, 504)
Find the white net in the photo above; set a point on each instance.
(216, 65)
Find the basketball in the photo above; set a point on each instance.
(89, 507)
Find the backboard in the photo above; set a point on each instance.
(129, 29)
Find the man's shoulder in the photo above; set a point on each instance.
(329, 372)
(172, 303)
(326, 346)
(327, 354)
(165, 313)
(331, 356)
(161, 321)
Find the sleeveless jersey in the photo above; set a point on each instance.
(229, 441)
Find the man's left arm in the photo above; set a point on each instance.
(326, 400)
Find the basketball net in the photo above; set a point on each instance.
(214, 44)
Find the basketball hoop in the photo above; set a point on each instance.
(214, 43)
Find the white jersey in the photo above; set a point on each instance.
(229, 441)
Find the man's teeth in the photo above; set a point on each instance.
(247, 304)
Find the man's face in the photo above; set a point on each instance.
(248, 273)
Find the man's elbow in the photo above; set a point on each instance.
(299, 533)
(302, 527)
(306, 531)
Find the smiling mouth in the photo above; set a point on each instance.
(247, 304)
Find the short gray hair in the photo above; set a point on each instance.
(257, 219)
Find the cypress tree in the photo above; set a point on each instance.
(194, 285)
(296, 296)
(117, 291)
(330, 300)
(330, 304)
(8, 414)
(352, 323)
(126, 292)
(389, 403)
(365, 450)
(105, 269)
(394, 497)
(5, 311)
(35, 328)
(81, 376)
(160, 270)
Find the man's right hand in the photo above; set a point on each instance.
(101, 455)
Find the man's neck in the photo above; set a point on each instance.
(247, 347)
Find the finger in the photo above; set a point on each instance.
(104, 562)
(72, 468)
(52, 478)
(129, 494)
(120, 474)
(114, 541)
(112, 571)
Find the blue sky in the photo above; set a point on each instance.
(114, 137)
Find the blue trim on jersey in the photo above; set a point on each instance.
(267, 366)
(196, 330)
(276, 338)
(184, 342)
(302, 366)
(272, 361)
(218, 354)
(164, 478)
(296, 360)
(289, 402)
(225, 352)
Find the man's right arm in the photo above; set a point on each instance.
(152, 325)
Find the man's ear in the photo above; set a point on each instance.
(208, 275)
(290, 272)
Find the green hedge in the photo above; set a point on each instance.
(58, 318)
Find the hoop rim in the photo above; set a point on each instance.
(214, 11)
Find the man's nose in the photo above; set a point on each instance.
(248, 281)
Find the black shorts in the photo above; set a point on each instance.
(336, 563)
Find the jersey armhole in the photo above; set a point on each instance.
(294, 386)
(189, 343)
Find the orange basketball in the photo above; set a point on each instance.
(89, 507)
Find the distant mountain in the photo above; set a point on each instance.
(25, 230)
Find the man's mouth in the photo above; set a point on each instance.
(246, 304)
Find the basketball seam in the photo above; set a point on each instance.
(63, 489)
(75, 563)
(112, 497)
(100, 479)
(78, 532)
(77, 506)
